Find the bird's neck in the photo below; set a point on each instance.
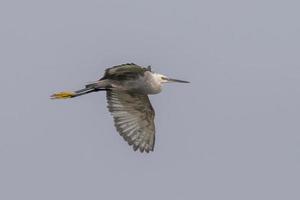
(153, 83)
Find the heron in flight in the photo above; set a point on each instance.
(127, 88)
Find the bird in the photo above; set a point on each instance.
(127, 88)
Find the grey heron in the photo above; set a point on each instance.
(127, 88)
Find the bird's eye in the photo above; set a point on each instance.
(163, 78)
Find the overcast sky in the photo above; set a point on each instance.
(232, 134)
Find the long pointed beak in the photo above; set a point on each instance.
(176, 80)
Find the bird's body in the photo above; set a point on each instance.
(127, 87)
(130, 78)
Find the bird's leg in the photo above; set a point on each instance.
(70, 94)
(100, 85)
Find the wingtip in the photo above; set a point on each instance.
(142, 149)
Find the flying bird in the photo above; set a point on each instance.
(127, 88)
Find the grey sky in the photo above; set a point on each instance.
(233, 133)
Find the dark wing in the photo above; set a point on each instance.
(134, 118)
(125, 72)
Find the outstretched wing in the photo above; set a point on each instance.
(134, 118)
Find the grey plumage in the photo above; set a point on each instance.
(134, 118)
(127, 88)
(124, 72)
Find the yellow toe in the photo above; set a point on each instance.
(63, 95)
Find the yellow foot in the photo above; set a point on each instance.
(63, 95)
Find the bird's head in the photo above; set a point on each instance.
(164, 79)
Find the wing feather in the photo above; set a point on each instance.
(125, 72)
(133, 118)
